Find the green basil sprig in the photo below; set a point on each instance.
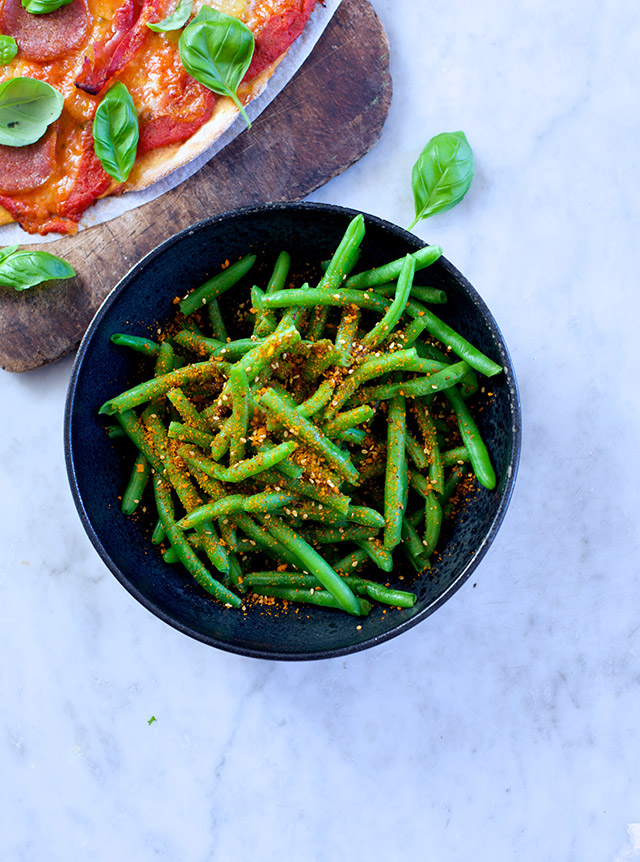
(8, 49)
(442, 175)
(216, 49)
(22, 269)
(176, 20)
(42, 7)
(115, 132)
(27, 107)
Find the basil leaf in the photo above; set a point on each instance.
(8, 49)
(42, 7)
(24, 269)
(176, 20)
(115, 132)
(6, 251)
(27, 107)
(216, 49)
(442, 175)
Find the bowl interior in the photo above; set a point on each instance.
(98, 466)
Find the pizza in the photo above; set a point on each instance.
(82, 49)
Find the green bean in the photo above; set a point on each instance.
(424, 294)
(114, 431)
(263, 502)
(414, 330)
(347, 328)
(284, 338)
(184, 487)
(235, 573)
(192, 326)
(340, 265)
(158, 535)
(242, 469)
(322, 598)
(315, 296)
(360, 586)
(189, 434)
(383, 274)
(136, 342)
(432, 523)
(377, 553)
(455, 456)
(395, 473)
(229, 536)
(132, 427)
(187, 411)
(413, 547)
(183, 549)
(469, 382)
(353, 435)
(240, 397)
(346, 254)
(198, 343)
(321, 492)
(403, 288)
(170, 556)
(478, 454)
(136, 485)
(454, 479)
(416, 452)
(320, 357)
(450, 338)
(367, 370)
(216, 286)
(199, 372)
(371, 468)
(420, 483)
(164, 359)
(266, 320)
(306, 431)
(342, 421)
(286, 467)
(264, 541)
(437, 382)
(311, 560)
(427, 427)
(330, 535)
(234, 350)
(280, 272)
(365, 515)
(352, 562)
(215, 319)
(318, 400)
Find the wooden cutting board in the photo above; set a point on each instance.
(328, 116)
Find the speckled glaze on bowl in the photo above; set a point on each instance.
(98, 467)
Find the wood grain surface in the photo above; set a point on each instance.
(328, 116)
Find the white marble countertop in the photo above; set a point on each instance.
(506, 725)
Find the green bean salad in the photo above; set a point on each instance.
(287, 464)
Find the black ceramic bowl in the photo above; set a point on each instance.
(98, 467)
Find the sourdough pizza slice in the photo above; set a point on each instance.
(81, 50)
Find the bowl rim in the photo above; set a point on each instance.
(480, 551)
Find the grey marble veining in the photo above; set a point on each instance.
(506, 725)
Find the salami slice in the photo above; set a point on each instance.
(279, 32)
(62, 215)
(23, 169)
(112, 55)
(45, 37)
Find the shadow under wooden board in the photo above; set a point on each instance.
(326, 118)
